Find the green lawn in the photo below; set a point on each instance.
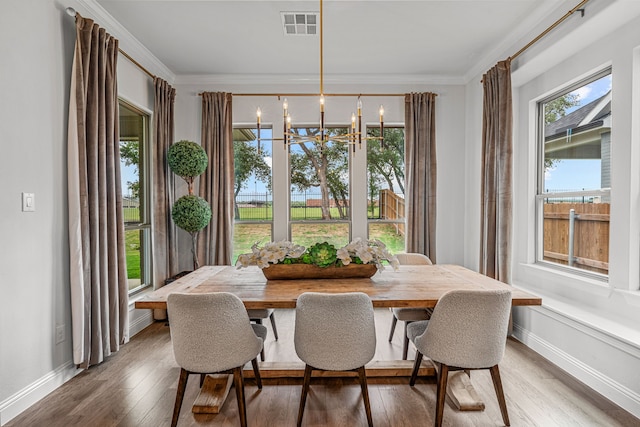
(297, 213)
(132, 244)
(387, 234)
(132, 249)
(246, 235)
(131, 214)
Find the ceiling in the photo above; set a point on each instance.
(446, 38)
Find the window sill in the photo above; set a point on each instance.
(548, 279)
(632, 297)
(580, 302)
(590, 321)
(139, 295)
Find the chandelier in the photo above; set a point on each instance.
(353, 137)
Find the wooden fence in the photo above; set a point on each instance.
(392, 207)
(591, 235)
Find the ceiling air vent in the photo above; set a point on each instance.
(300, 23)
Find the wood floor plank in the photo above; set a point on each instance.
(136, 387)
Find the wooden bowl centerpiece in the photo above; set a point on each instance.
(310, 271)
(285, 260)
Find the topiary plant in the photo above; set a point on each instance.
(187, 160)
(191, 213)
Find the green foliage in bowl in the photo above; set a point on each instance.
(321, 254)
(191, 213)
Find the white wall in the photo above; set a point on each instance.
(588, 328)
(34, 276)
(304, 110)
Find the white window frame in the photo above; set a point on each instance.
(540, 195)
(144, 226)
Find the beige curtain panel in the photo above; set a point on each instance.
(421, 172)
(98, 277)
(165, 257)
(497, 176)
(215, 242)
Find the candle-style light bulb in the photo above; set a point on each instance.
(321, 121)
(288, 122)
(352, 138)
(258, 115)
(285, 113)
(359, 122)
(381, 126)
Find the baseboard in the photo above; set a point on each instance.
(138, 320)
(14, 405)
(621, 395)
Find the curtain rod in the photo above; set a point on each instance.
(72, 12)
(549, 29)
(137, 64)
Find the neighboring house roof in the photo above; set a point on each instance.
(579, 134)
(584, 118)
(243, 134)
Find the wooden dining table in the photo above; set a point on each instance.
(409, 286)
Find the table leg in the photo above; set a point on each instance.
(462, 393)
(213, 393)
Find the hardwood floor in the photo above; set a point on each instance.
(137, 385)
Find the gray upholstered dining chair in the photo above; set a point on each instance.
(211, 333)
(257, 314)
(335, 332)
(467, 331)
(408, 315)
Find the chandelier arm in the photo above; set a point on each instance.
(350, 95)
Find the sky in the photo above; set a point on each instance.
(579, 174)
(127, 174)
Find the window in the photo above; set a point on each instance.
(574, 178)
(253, 199)
(385, 187)
(134, 162)
(319, 202)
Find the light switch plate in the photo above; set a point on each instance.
(28, 202)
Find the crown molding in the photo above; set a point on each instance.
(314, 79)
(506, 46)
(600, 19)
(126, 40)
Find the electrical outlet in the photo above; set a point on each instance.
(60, 334)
